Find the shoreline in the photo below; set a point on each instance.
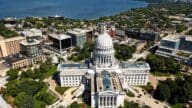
(144, 4)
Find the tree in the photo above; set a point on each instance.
(27, 74)
(24, 101)
(45, 97)
(28, 86)
(123, 52)
(12, 73)
(159, 64)
(39, 104)
(44, 68)
(162, 92)
(37, 74)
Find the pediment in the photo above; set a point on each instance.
(108, 92)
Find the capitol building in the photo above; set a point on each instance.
(106, 78)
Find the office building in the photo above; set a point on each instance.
(31, 48)
(10, 46)
(177, 47)
(30, 54)
(60, 42)
(31, 32)
(78, 36)
(142, 34)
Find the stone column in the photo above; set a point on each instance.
(109, 100)
(104, 101)
(113, 101)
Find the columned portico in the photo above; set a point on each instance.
(107, 101)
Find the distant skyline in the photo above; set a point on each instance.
(81, 9)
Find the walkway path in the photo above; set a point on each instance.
(146, 99)
(64, 100)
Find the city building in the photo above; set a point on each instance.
(10, 46)
(78, 36)
(89, 34)
(19, 61)
(110, 29)
(30, 54)
(143, 34)
(60, 42)
(104, 76)
(177, 47)
(31, 48)
(149, 35)
(31, 32)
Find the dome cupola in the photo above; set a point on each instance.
(103, 54)
(104, 41)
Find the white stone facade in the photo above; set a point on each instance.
(71, 80)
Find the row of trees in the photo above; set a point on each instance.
(164, 65)
(175, 91)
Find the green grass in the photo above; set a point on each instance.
(76, 105)
(130, 105)
(61, 90)
(149, 88)
(161, 74)
(52, 70)
(166, 74)
(130, 94)
(178, 105)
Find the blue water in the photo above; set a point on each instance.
(77, 9)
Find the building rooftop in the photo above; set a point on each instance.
(133, 65)
(12, 38)
(31, 32)
(76, 31)
(172, 37)
(73, 66)
(72, 69)
(108, 81)
(148, 31)
(30, 42)
(188, 38)
(15, 58)
(60, 36)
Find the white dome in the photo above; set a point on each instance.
(104, 41)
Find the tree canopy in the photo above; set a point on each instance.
(12, 73)
(123, 52)
(164, 65)
(175, 92)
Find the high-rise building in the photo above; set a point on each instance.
(31, 48)
(10, 46)
(30, 54)
(78, 36)
(177, 47)
(60, 42)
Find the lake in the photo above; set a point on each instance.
(77, 9)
